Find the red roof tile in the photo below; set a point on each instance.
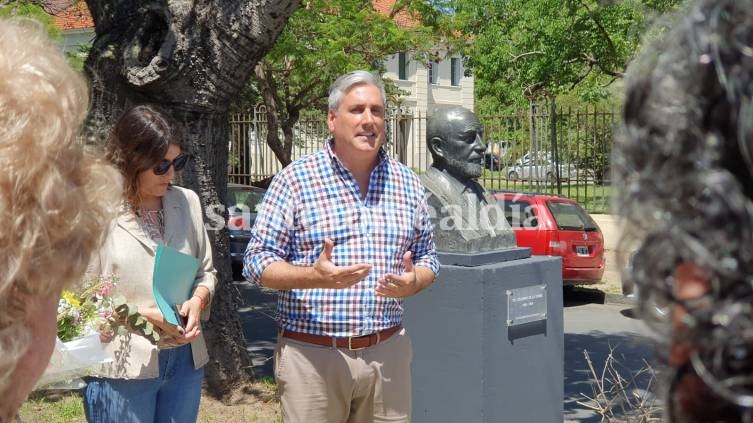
(76, 16)
(403, 18)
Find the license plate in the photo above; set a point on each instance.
(581, 250)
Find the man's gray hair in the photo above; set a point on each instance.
(346, 82)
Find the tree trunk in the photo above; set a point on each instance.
(190, 58)
(267, 91)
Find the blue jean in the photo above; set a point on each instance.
(173, 397)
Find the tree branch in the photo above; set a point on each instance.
(530, 53)
(601, 28)
(269, 95)
(582, 77)
(595, 62)
(611, 81)
(306, 91)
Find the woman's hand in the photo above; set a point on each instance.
(191, 309)
(178, 334)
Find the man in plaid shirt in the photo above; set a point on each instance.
(344, 234)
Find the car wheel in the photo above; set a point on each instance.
(550, 178)
(513, 176)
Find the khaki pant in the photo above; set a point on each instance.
(320, 384)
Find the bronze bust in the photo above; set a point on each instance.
(465, 216)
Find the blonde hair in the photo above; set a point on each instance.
(56, 197)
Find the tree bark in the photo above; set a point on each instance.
(190, 58)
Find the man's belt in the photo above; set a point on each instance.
(350, 342)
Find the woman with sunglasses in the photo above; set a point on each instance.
(145, 382)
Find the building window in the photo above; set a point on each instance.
(402, 66)
(455, 72)
(434, 73)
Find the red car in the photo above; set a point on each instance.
(557, 226)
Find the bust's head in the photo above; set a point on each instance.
(454, 136)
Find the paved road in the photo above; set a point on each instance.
(589, 325)
(257, 319)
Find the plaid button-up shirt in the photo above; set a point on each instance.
(317, 198)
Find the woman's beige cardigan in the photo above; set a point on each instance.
(128, 253)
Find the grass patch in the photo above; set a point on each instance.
(256, 403)
(54, 407)
(593, 197)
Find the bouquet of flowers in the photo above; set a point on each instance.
(83, 315)
(88, 311)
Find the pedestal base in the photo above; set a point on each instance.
(471, 361)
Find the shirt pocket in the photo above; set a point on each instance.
(393, 227)
(336, 223)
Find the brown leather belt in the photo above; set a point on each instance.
(351, 342)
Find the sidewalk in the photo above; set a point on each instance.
(611, 231)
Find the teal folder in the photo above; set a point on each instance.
(172, 280)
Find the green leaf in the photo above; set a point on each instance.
(522, 50)
(118, 300)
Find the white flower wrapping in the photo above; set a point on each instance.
(72, 360)
(83, 313)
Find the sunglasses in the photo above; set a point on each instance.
(164, 165)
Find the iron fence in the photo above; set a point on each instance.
(542, 149)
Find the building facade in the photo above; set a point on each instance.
(426, 86)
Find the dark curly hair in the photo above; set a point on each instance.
(138, 141)
(683, 165)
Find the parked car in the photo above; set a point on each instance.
(243, 202)
(539, 167)
(557, 226)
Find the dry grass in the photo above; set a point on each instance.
(620, 395)
(256, 403)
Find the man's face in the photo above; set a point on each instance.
(358, 124)
(463, 145)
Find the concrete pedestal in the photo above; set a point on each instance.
(470, 363)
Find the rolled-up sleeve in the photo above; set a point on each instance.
(271, 233)
(424, 251)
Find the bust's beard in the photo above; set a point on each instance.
(464, 169)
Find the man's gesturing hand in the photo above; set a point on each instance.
(333, 276)
(397, 286)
